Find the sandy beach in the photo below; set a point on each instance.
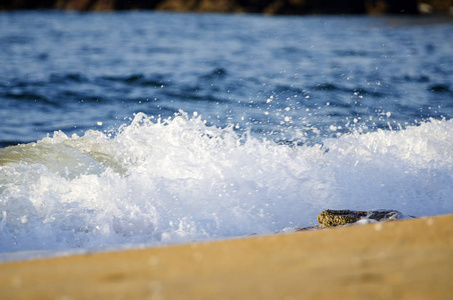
(408, 259)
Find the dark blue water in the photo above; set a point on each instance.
(283, 78)
(309, 113)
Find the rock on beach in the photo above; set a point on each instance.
(332, 218)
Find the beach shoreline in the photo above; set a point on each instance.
(399, 259)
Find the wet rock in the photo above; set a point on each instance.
(228, 6)
(281, 7)
(331, 218)
(376, 7)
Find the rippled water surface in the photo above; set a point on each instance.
(154, 128)
(71, 71)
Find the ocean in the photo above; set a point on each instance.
(141, 129)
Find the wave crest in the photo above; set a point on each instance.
(174, 180)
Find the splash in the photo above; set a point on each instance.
(177, 180)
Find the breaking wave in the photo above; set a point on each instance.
(177, 180)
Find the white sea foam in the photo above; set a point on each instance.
(178, 180)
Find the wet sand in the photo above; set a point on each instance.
(408, 259)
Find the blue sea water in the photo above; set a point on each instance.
(154, 128)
